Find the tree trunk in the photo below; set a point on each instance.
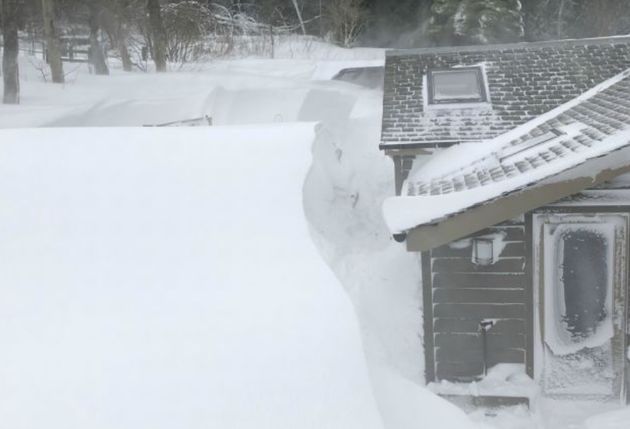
(123, 50)
(158, 34)
(97, 56)
(124, 55)
(605, 16)
(52, 42)
(10, 69)
(298, 12)
(560, 23)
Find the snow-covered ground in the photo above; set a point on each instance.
(160, 278)
(114, 236)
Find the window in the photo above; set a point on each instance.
(464, 85)
(584, 277)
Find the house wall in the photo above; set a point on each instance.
(402, 167)
(525, 80)
(405, 162)
(459, 294)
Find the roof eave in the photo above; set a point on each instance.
(510, 205)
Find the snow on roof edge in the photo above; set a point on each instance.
(403, 213)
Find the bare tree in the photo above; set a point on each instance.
(118, 18)
(347, 18)
(53, 53)
(298, 12)
(97, 56)
(10, 68)
(560, 22)
(605, 16)
(187, 23)
(121, 39)
(158, 35)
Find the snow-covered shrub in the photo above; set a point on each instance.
(347, 19)
(187, 24)
(476, 21)
(196, 31)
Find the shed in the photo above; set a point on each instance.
(509, 164)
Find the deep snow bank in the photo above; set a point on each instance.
(618, 419)
(343, 193)
(161, 278)
(348, 181)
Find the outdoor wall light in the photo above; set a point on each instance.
(483, 251)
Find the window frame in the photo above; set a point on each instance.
(481, 81)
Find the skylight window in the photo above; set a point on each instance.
(463, 85)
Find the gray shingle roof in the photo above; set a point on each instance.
(524, 82)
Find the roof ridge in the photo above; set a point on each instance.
(619, 39)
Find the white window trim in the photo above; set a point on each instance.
(479, 105)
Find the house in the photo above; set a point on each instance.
(510, 166)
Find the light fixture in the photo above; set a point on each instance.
(483, 252)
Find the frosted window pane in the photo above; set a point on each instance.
(456, 85)
(585, 281)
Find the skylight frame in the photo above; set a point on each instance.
(481, 84)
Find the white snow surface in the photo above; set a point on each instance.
(502, 380)
(159, 278)
(618, 419)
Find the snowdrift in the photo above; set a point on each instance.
(617, 419)
(161, 278)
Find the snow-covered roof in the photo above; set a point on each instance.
(545, 150)
(523, 81)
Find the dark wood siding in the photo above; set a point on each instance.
(462, 294)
